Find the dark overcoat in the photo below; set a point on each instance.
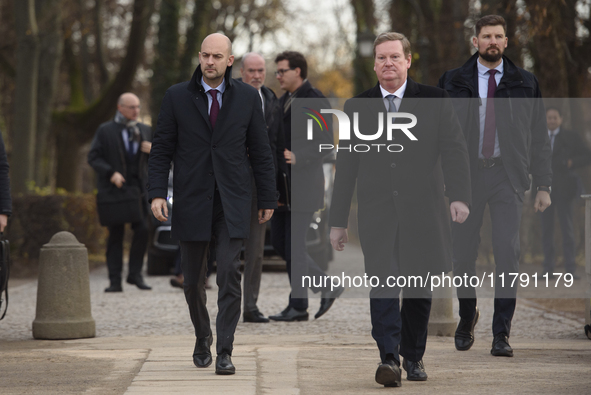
(307, 175)
(568, 145)
(520, 121)
(204, 157)
(401, 194)
(107, 154)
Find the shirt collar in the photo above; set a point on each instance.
(221, 87)
(554, 132)
(482, 69)
(399, 93)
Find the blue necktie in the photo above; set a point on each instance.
(392, 105)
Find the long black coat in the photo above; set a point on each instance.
(568, 145)
(520, 120)
(5, 198)
(204, 157)
(404, 188)
(307, 176)
(107, 154)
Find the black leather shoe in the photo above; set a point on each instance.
(254, 316)
(202, 355)
(138, 282)
(464, 337)
(327, 300)
(223, 364)
(415, 371)
(289, 315)
(388, 374)
(501, 347)
(114, 288)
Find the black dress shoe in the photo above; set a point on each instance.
(175, 282)
(223, 364)
(415, 371)
(501, 347)
(202, 355)
(138, 282)
(254, 316)
(114, 288)
(327, 300)
(388, 374)
(290, 314)
(464, 337)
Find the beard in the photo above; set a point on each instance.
(491, 57)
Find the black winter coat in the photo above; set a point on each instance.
(107, 154)
(520, 120)
(307, 175)
(204, 158)
(400, 195)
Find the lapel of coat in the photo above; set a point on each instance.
(412, 92)
(201, 102)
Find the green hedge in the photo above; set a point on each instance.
(35, 219)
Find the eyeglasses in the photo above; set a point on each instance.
(280, 72)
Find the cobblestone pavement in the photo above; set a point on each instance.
(163, 311)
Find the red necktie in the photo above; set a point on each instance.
(215, 107)
(490, 126)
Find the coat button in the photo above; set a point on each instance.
(209, 197)
(393, 165)
(213, 146)
(395, 193)
(211, 173)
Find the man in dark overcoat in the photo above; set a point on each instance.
(304, 167)
(212, 128)
(501, 112)
(569, 152)
(119, 155)
(403, 219)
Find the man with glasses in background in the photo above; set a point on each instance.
(307, 191)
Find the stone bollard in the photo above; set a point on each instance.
(63, 291)
(441, 320)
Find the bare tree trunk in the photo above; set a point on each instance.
(195, 35)
(25, 118)
(365, 77)
(84, 55)
(51, 43)
(75, 127)
(165, 67)
(100, 48)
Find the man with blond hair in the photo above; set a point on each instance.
(403, 219)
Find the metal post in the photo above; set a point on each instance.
(588, 263)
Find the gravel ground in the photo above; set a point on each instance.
(163, 311)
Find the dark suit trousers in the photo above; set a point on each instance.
(194, 265)
(137, 251)
(398, 331)
(253, 256)
(490, 186)
(289, 234)
(562, 206)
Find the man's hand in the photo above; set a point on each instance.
(338, 238)
(459, 211)
(158, 207)
(265, 215)
(289, 157)
(3, 221)
(117, 179)
(542, 201)
(146, 147)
